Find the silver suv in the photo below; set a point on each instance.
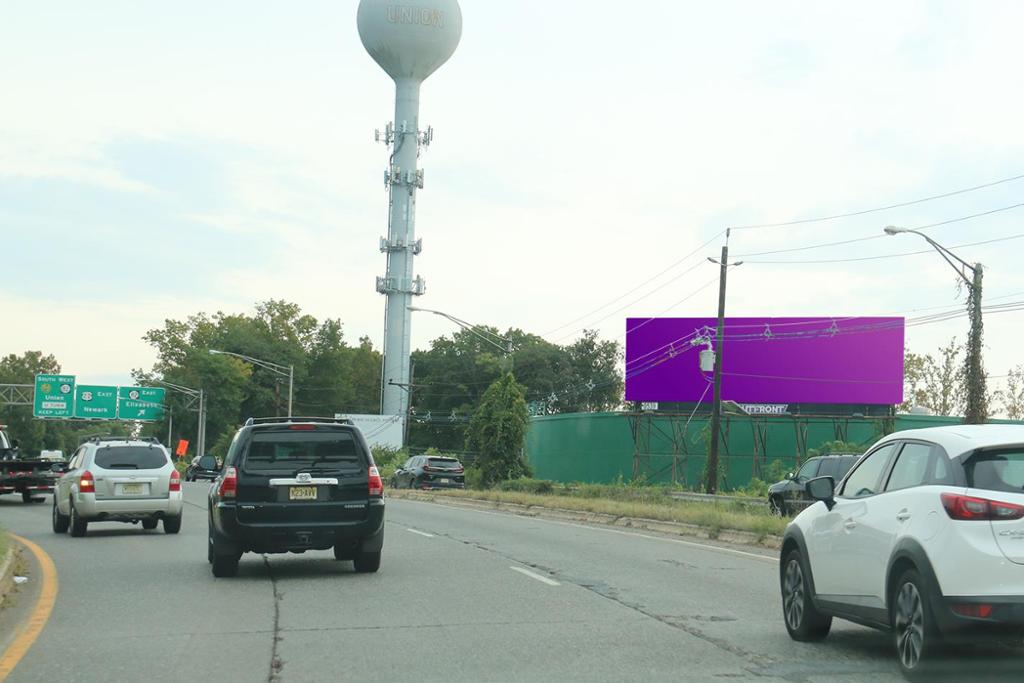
(118, 479)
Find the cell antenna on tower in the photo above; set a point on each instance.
(409, 42)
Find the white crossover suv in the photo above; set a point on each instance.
(924, 537)
(118, 479)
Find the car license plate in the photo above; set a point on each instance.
(302, 493)
(132, 489)
(446, 481)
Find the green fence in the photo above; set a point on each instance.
(662, 448)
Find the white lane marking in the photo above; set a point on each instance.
(702, 546)
(421, 533)
(542, 579)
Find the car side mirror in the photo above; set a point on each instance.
(823, 489)
(789, 476)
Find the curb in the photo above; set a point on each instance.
(735, 536)
(7, 570)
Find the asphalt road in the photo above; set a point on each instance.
(462, 595)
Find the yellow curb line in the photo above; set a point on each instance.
(40, 613)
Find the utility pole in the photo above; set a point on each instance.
(711, 485)
(408, 404)
(976, 411)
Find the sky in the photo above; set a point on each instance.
(161, 159)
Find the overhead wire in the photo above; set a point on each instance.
(885, 256)
(638, 287)
(867, 238)
(879, 209)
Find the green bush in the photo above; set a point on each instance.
(527, 485)
(385, 456)
(475, 478)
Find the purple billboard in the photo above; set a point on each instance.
(767, 360)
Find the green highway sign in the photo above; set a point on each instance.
(140, 403)
(54, 396)
(95, 402)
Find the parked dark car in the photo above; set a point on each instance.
(430, 472)
(788, 497)
(204, 468)
(297, 484)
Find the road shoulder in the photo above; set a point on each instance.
(725, 538)
(27, 608)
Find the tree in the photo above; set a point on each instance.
(1011, 399)
(935, 384)
(330, 375)
(497, 431)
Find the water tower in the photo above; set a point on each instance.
(408, 41)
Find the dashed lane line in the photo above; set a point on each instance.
(420, 533)
(533, 575)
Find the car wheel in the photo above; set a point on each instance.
(172, 525)
(803, 620)
(149, 524)
(209, 550)
(776, 508)
(225, 566)
(60, 521)
(913, 626)
(77, 525)
(366, 563)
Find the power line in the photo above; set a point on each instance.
(863, 212)
(886, 256)
(638, 287)
(880, 235)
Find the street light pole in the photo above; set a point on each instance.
(291, 387)
(976, 410)
(200, 396)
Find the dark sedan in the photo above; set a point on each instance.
(430, 472)
(204, 468)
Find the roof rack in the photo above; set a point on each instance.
(98, 438)
(279, 420)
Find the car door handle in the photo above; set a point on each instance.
(850, 524)
(903, 515)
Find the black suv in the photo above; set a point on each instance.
(430, 472)
(297, 484)
(205, 467)
(789, 496)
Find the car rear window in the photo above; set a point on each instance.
(208, 462)
(287, 451)
(130, 458)
(444, 463)
(996, 470)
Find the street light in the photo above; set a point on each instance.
(201, 410)
(469, 327)
(283, 370)
(976, 411)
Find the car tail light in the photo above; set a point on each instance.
(86, 483)
(971, 508)
(175, 481)
(375, 482)
(229, 484)
(302, 428)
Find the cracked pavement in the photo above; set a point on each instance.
(601, 605)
